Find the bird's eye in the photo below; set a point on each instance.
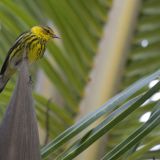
(47, 31)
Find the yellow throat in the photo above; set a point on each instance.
(45, 33)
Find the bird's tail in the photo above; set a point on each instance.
(3, 82)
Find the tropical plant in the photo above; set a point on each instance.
(68, 63)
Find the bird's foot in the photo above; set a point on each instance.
(30, 80)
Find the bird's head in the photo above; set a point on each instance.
(43, 32)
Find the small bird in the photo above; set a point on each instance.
(34, 41)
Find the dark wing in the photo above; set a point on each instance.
(17, 42)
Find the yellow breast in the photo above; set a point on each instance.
(36, 51)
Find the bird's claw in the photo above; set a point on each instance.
(30, 80)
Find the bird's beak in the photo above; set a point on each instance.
(55, 36)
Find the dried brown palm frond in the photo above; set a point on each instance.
(18, 131)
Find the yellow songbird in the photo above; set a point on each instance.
(34, 41)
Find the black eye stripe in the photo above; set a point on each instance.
(48, 31)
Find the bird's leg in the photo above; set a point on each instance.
(25, 58)
(30, 79)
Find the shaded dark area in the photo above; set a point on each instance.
(18, 131)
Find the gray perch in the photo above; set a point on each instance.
(19, 138)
